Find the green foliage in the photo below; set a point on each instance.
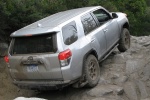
(109, 5)
(135, 9)
(145, 23)
(148, 2)
(15, 14)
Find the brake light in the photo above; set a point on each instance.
(6, 58)
(65, 54)
(64, 57)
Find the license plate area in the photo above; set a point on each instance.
(32, 68)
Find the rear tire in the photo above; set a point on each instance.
(124, 42)
(91, 71)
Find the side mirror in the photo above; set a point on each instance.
(114, 15)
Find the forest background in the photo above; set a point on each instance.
(15, 14)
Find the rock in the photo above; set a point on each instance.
(121, 80)
(135, 48)
(147, 44)
(99, 91)
(103, 81)
(130, 90)
(103, 90)
(107, 61)
(3, 49)
(119, 59)
(118, 68)
(146, 72)
(116, 89)
(2, 65)
(142, 89)
(114, 75)
(134, 76)
(2, 85)
(134, 65)
(143, 40)
(148, 84)
(103, 99)
(23, 98)
(146, 99)
(99, 98)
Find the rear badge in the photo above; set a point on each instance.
(30, 58)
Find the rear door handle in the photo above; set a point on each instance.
(105, 30)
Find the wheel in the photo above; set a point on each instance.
(91, 71)
(124, 42)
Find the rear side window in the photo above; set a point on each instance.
(69, 33)
(89, 23)
(34, 44)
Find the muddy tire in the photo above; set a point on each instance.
(91, 71)
(124, 42)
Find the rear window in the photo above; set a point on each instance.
(34, 44)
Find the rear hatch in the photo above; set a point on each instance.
(35, 58)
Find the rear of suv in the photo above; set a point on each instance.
(65, 48)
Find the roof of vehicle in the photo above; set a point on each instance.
(50, 22)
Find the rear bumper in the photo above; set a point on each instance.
(42, 85)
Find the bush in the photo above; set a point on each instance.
(16, 14)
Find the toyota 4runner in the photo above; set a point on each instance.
(66, 47)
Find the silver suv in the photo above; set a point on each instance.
(65, 48)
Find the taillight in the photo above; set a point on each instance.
(64, 57)
(6, 58)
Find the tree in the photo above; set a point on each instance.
(148, 2)
(15, 14)
(135, 9)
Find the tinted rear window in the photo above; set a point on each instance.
(35, 44)
(69, 32)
